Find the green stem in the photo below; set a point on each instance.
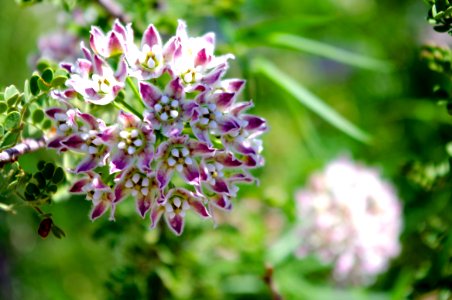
(128, 107)
(134, 90)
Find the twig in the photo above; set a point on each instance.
(27, 145)
(114, 10)
(268, 279)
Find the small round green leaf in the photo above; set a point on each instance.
(58, 176)
(47, 75)
(48, 170)
(41, 165)
(39, 177)
(3, 107)
(38, 116)
(12, 120)
(43, 86)
(11, 92)
(10, 139)
(34, 87)
(46, 124)
(32, 189)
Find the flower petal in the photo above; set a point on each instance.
(119, 162)
(143, 206)
(163, 175)
(77, 187)
(74, 142)
(176, 224)
(98, 210)
(151, 37)
(149, 93)
(156, 213)
(191, 174)
(175, 89)
(114, 45)
(87, 164)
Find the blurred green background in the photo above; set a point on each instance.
(360, 58)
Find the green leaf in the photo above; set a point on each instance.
(41, 165)
(324, 50)
(43, 86)
(34, 87)
(58, 176)
(10, 139)
(12, 120)
(39, 177)
(42, 65)
(3, 107)
(11, 92)
(59, 80)
(38, 116)
(46, 124)
(47, 75)
(309, 100)
(58, 232)
(48, 170)
(32, 189)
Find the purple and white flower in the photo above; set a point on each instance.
(178, 140)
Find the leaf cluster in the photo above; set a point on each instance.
(440, 15)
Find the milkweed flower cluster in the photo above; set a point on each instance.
(351, 218)
(185, 141)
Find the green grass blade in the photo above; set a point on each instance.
(324, 50)
(309, 100)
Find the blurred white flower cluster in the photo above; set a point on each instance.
(350, 218)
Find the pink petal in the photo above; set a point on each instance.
(121, 72)
(175, 89)
(202, 58)
(220, 186)
(255, 123)
(78, 185)
(87, 165)
(89, 119)
(228, 160)
(151, 37)
(143, 206)
(120, 29)
(176, 224)
(96, 39)
(119, 193)
(163, 175)
(223, 100)
(221, 201)
(56, 110)
(199, 148)
(200, 208)
(191, 174)
(114, 44)
(233, 85)
(98, 210)
(74, 142)
(119, 162)
(149, 93)
(156, 213)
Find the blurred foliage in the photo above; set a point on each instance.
(324, 84)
